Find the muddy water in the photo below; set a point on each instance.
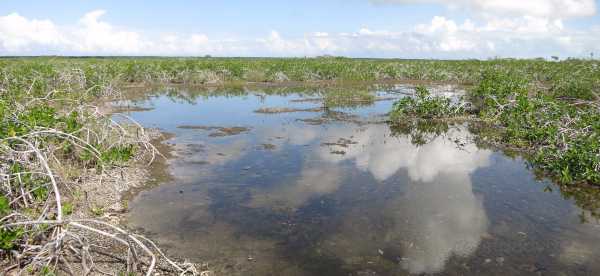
(334, 190)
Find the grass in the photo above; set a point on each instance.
(95, 73)
(557, 128)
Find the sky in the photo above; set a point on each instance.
(440, 29)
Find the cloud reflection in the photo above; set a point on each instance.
(375, 150)
(437, 216)
(312, 182)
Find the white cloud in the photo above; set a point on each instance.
(18, 33)
(526, 35)
(94, 35)
(537, 8)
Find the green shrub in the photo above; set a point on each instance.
(425, 106)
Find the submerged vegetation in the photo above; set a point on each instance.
(53, 141)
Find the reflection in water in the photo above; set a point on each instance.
(438, 215)
(444, 218)
(313, 182)
(375, 150)
(349, 197)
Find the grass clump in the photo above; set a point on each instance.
(426, 106)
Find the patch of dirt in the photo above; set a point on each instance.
(105, 199)
(229, 131)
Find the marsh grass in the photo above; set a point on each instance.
(559, 132)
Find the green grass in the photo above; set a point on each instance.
(425, 106)
(557, 128)
(95, 73)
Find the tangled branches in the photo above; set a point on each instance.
(40, 231)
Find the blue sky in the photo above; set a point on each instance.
(358, 28)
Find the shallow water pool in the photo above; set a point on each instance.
(326, 187)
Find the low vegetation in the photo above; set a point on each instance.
(557, 127)
(425, 106)
(54, 146)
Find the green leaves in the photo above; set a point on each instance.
(67, 208)
(4, 206)
(8, 238)
(564, 137)
(119, 154)
(425, 106)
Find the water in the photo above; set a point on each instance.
(336, 191)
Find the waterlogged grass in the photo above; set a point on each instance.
(557, 128)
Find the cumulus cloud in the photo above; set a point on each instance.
(537, 8)
(18, 33)
(540, 33)
(93, 36)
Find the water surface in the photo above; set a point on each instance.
(334, 190)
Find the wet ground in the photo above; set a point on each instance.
(322, 185)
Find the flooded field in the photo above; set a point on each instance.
(311, 181)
